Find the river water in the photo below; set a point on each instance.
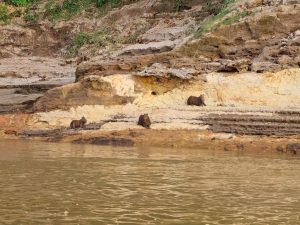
(45, 183)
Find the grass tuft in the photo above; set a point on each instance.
(96, 40)
(218, 17)
(4, 14)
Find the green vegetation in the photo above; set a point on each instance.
(178, 4)
(31, 17)
(67, 3)
(219, 12)
(34, 10)
(59, 9)
(98, 39)
(4, 15)
(56, 10)
(234, 18)
(65, 9)
(101, 3)
(21, 3)
(69, 8)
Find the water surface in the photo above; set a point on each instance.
(45, 183)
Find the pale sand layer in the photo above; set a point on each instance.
(244, 94)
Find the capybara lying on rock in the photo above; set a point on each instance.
(78, 123)
(199, 101)
(144, 121)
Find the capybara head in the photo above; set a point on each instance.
(83, 120)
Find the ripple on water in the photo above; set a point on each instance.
(74, 184)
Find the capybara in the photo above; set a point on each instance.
(78, 123)
(144, 121)
(199, 101)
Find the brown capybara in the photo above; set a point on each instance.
(199, 101)
(144, 121)
(78, 123)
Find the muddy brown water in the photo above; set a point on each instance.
(45, 183)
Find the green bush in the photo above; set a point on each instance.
(4, 15)
(82, 38)
(71, 6)
(61, 10)
(17, 2)
(100, 38)
(52, 10)
(178, 4)
(96, 40)
(31, 17)
(67, 9)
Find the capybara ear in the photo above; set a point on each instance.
(83, 119)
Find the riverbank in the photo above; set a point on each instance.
(178, 139)
(227, 130)
(242, 56)
(265, 120)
